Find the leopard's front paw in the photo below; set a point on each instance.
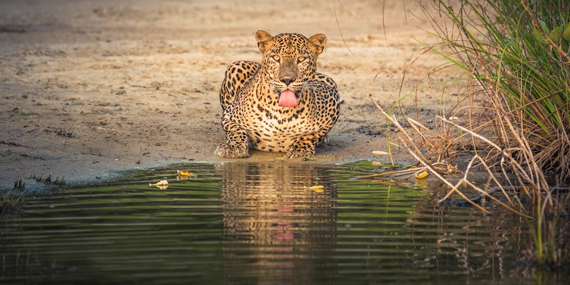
(229, 151)
(300, 153)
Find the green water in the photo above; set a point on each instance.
(258, 223)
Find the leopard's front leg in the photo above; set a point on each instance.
(304, 146)
(236, 145)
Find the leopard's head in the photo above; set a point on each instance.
(289, 62)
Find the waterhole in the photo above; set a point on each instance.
(258, 223)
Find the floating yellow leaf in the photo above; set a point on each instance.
(160, 183)
(379, 152)
(317, 188)
(184, 173)
(422, 175)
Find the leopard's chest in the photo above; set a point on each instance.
(272, 129)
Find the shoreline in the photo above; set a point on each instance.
(79, 177)
(93, 87)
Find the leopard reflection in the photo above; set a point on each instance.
(278, 227)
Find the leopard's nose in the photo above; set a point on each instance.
(287, 80)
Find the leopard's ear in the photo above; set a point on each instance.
(318, 42)
(263, 39)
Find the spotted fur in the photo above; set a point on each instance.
(250, 94)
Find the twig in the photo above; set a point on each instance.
(390, 173)
(494, 189)
(395, 122)
(453, 188)
(340, 30)
(496, 200)
(518, 167)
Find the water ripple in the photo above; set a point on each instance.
(256, 223)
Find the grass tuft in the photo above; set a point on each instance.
(13, 199)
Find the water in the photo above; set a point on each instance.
(259, 223)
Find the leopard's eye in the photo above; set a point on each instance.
(276, 57)
(301, 58)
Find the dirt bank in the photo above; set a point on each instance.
(90, 87)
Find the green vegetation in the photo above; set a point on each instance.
(12, 199)
(518, 54)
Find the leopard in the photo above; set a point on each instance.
(281, 104)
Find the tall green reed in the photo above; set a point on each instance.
(519, 51)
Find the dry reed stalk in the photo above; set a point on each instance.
(531, 175)
(390, 173)
(419, 156)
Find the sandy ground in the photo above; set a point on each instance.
(91, 87)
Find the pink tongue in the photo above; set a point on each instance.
(287, 99)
